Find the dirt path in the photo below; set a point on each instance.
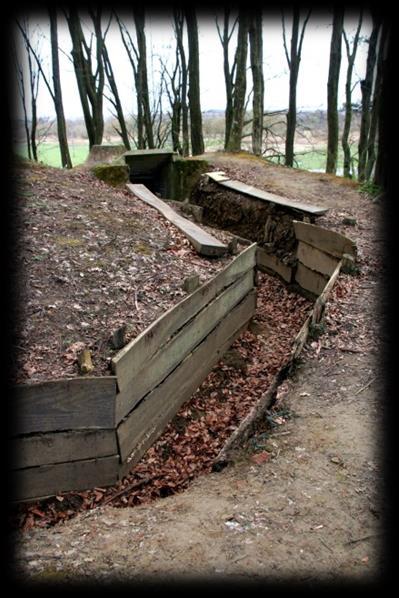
(303, 502)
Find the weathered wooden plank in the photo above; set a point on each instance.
(60, 447)
(301, 337)
(180, 345)
(217, 176)
(203, 242)
(48, 480)
(72, 403)
(266, 261)
(129, 361)
(310, 280)
(324, 239)
(315, 259)
(273, 198)
(147, 421)
(320, 303)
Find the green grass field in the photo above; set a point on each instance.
(49, 153)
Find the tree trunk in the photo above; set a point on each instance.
(256, 54)
(90, 85)
(228, 73)
(197, 140)
(351, 56)
(179, 28)
(367, 89)
(66, 161)
(332, 91)
(142, 88)
(240, 85)
(116, 102)
(382, 173)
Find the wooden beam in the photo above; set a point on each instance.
(217, 176)
(71, 403)
(203, 242)
(148, 420)
(315, 259)
(60, 447)
(130, 360)
(324, 239)
(310, 280)
(319, 306)
(268, 262)
(278, 200)
(49, 480)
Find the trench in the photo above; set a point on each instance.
(247, 376)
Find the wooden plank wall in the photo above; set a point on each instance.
(319, 252)
(83, 432)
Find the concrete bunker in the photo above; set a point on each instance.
(164, 172)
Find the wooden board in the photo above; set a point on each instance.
(273, 198)
(147, 421)
(217, 176)
(170, 355)
(73, 403)
(318, 309)
(315, 259)
(129, 361)
(310, 280)
(59, 447)
(203, 242)
(49, 480)
(326, 240)
(301, 337)
(267, 261)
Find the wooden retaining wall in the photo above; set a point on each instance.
(74, 434)
(318, 253)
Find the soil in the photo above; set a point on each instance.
(303, 499)
(91, 260)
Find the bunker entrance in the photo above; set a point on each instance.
(152, 168)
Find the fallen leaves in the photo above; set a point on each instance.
(192, 440)
(90, 258)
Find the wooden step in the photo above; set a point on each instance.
(203, 242)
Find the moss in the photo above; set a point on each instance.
(143, 248)
(68, 242)
(186, 174)
(113, 174)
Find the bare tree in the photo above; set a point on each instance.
(66, 161)
(115, 99)
(375, 108)
(21, 90)
(34, 79)
(229, 72)
(256, 55)
(197, 140)
(240, 83)
(90, 79)
(382, 172)
(332, 90)
(178, 18)
(367, 87)
(142, 77)
(293, 59)
(351, 56)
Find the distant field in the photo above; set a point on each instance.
(49, 154)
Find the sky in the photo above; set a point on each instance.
(312, 83)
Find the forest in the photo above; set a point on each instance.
(166, 113)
